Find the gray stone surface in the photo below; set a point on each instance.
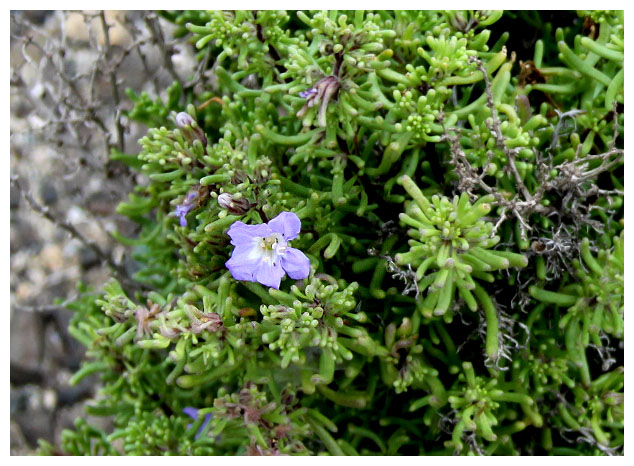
(61, 158)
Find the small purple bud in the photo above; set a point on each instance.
(190, 128)
(188, 205)
(224, 200)
(234, 206)
(307, 93)
(324, 91)
(184, 119)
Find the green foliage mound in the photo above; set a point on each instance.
(460, 192)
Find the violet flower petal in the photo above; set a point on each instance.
(242, 233)
(308, 92)
(245, 260)
(269, 274)
(295, 263)
(287, 224)
(181, 212)
(191, 412)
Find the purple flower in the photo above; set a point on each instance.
(322, 92)
(183, 209)
(193, 413)
(262, 253)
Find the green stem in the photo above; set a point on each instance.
(552, 297)
(581, 66)
(491, 316)
(332, 446)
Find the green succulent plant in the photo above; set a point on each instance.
(441, 195)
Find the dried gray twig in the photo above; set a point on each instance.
(573, 180)
(45, 212)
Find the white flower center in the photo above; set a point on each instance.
(271, 247)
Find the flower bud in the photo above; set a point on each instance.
(184, 119)
(190, 203)
(190, 128)
(458, 19)
(234, 206)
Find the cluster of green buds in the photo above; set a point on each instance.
(404, 365)
(449, 247)
(521, 133)
(313, 327)
(595, 303)
(84, 439)
(249, 422)
(358, 43)
(446, 57)
(468, 20)
(152, 434)
(421, 114)
(241, 32)
(184, 153)
(174, 149)
(339, 67)
(596, 414)
(478, 409)
(546, 370)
